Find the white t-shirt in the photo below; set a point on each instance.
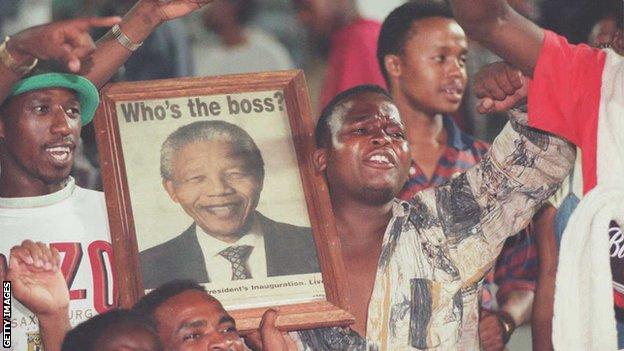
(260, 53)
(74, 221)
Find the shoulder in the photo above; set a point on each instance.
(272, 227)
(170, 247)
(364, 33)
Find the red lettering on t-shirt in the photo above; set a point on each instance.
(70, 265)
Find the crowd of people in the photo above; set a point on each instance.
(431, 220)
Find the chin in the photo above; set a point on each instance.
(55, 178)
(377, 196)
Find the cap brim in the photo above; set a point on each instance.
(87, 92)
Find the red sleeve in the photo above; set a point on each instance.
(352, 62)
(564, 96)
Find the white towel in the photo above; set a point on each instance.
(584, 318)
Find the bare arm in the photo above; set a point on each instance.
(137, 24)
(545, 290)
(498, 27)
(65, 41)
(34, 270)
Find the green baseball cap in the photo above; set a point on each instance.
(87, 92)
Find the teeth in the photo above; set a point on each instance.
(380, 158)
(58, 149)
(61, 156)
(221, 210)
(59, 153)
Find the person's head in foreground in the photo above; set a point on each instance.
(115, 330)
(361, 146)
(40, 124)
(421, 52)
(186, 317)
(215, 171)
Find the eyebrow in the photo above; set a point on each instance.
(203, 323)
(192, 324)
(227, 319)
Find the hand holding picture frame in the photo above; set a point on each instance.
(212, 179)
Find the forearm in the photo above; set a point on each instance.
(499, 196)
(541, 323)
(53, 329)
(498, 27)
(109, 54)
(9, 78)
(477, 16)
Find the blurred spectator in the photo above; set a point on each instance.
(23, 14)
(166, 53)
(353, 43)
(238, 48)
(279, 18)
(603, 30)
(8, 10)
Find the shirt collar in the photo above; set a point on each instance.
(400, 208)
(456, 138)
(39, 201)
(211, 246)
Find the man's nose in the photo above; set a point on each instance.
(380, 138)
(218, 342)
(61, 122)
(456, 67)
(217, 185)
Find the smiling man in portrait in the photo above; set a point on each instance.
(215, 172)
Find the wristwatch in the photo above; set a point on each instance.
(11, 63)
(123, 39)
(507, 324)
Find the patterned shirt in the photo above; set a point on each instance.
(441, 243)
(517, 265)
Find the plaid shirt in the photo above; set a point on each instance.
(517, 265)
(439, 245)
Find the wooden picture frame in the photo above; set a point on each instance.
(160, 96)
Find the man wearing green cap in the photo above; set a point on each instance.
(41, 115)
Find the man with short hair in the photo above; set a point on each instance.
(215, 171)
(590, 117)
(186, 317)
(41, 115)
(422, 54)
(411, 261)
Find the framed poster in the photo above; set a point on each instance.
(212, 179)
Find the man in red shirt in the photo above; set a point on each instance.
(577, 92)
(352, 59)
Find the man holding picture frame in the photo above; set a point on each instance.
(415, 265)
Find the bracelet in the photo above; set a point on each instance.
(507, 324)
(12, 64)
(123, 39)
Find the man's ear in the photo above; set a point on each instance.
(392, 63)
(168, 185)
(320, 159)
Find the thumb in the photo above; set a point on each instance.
(267, 324)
